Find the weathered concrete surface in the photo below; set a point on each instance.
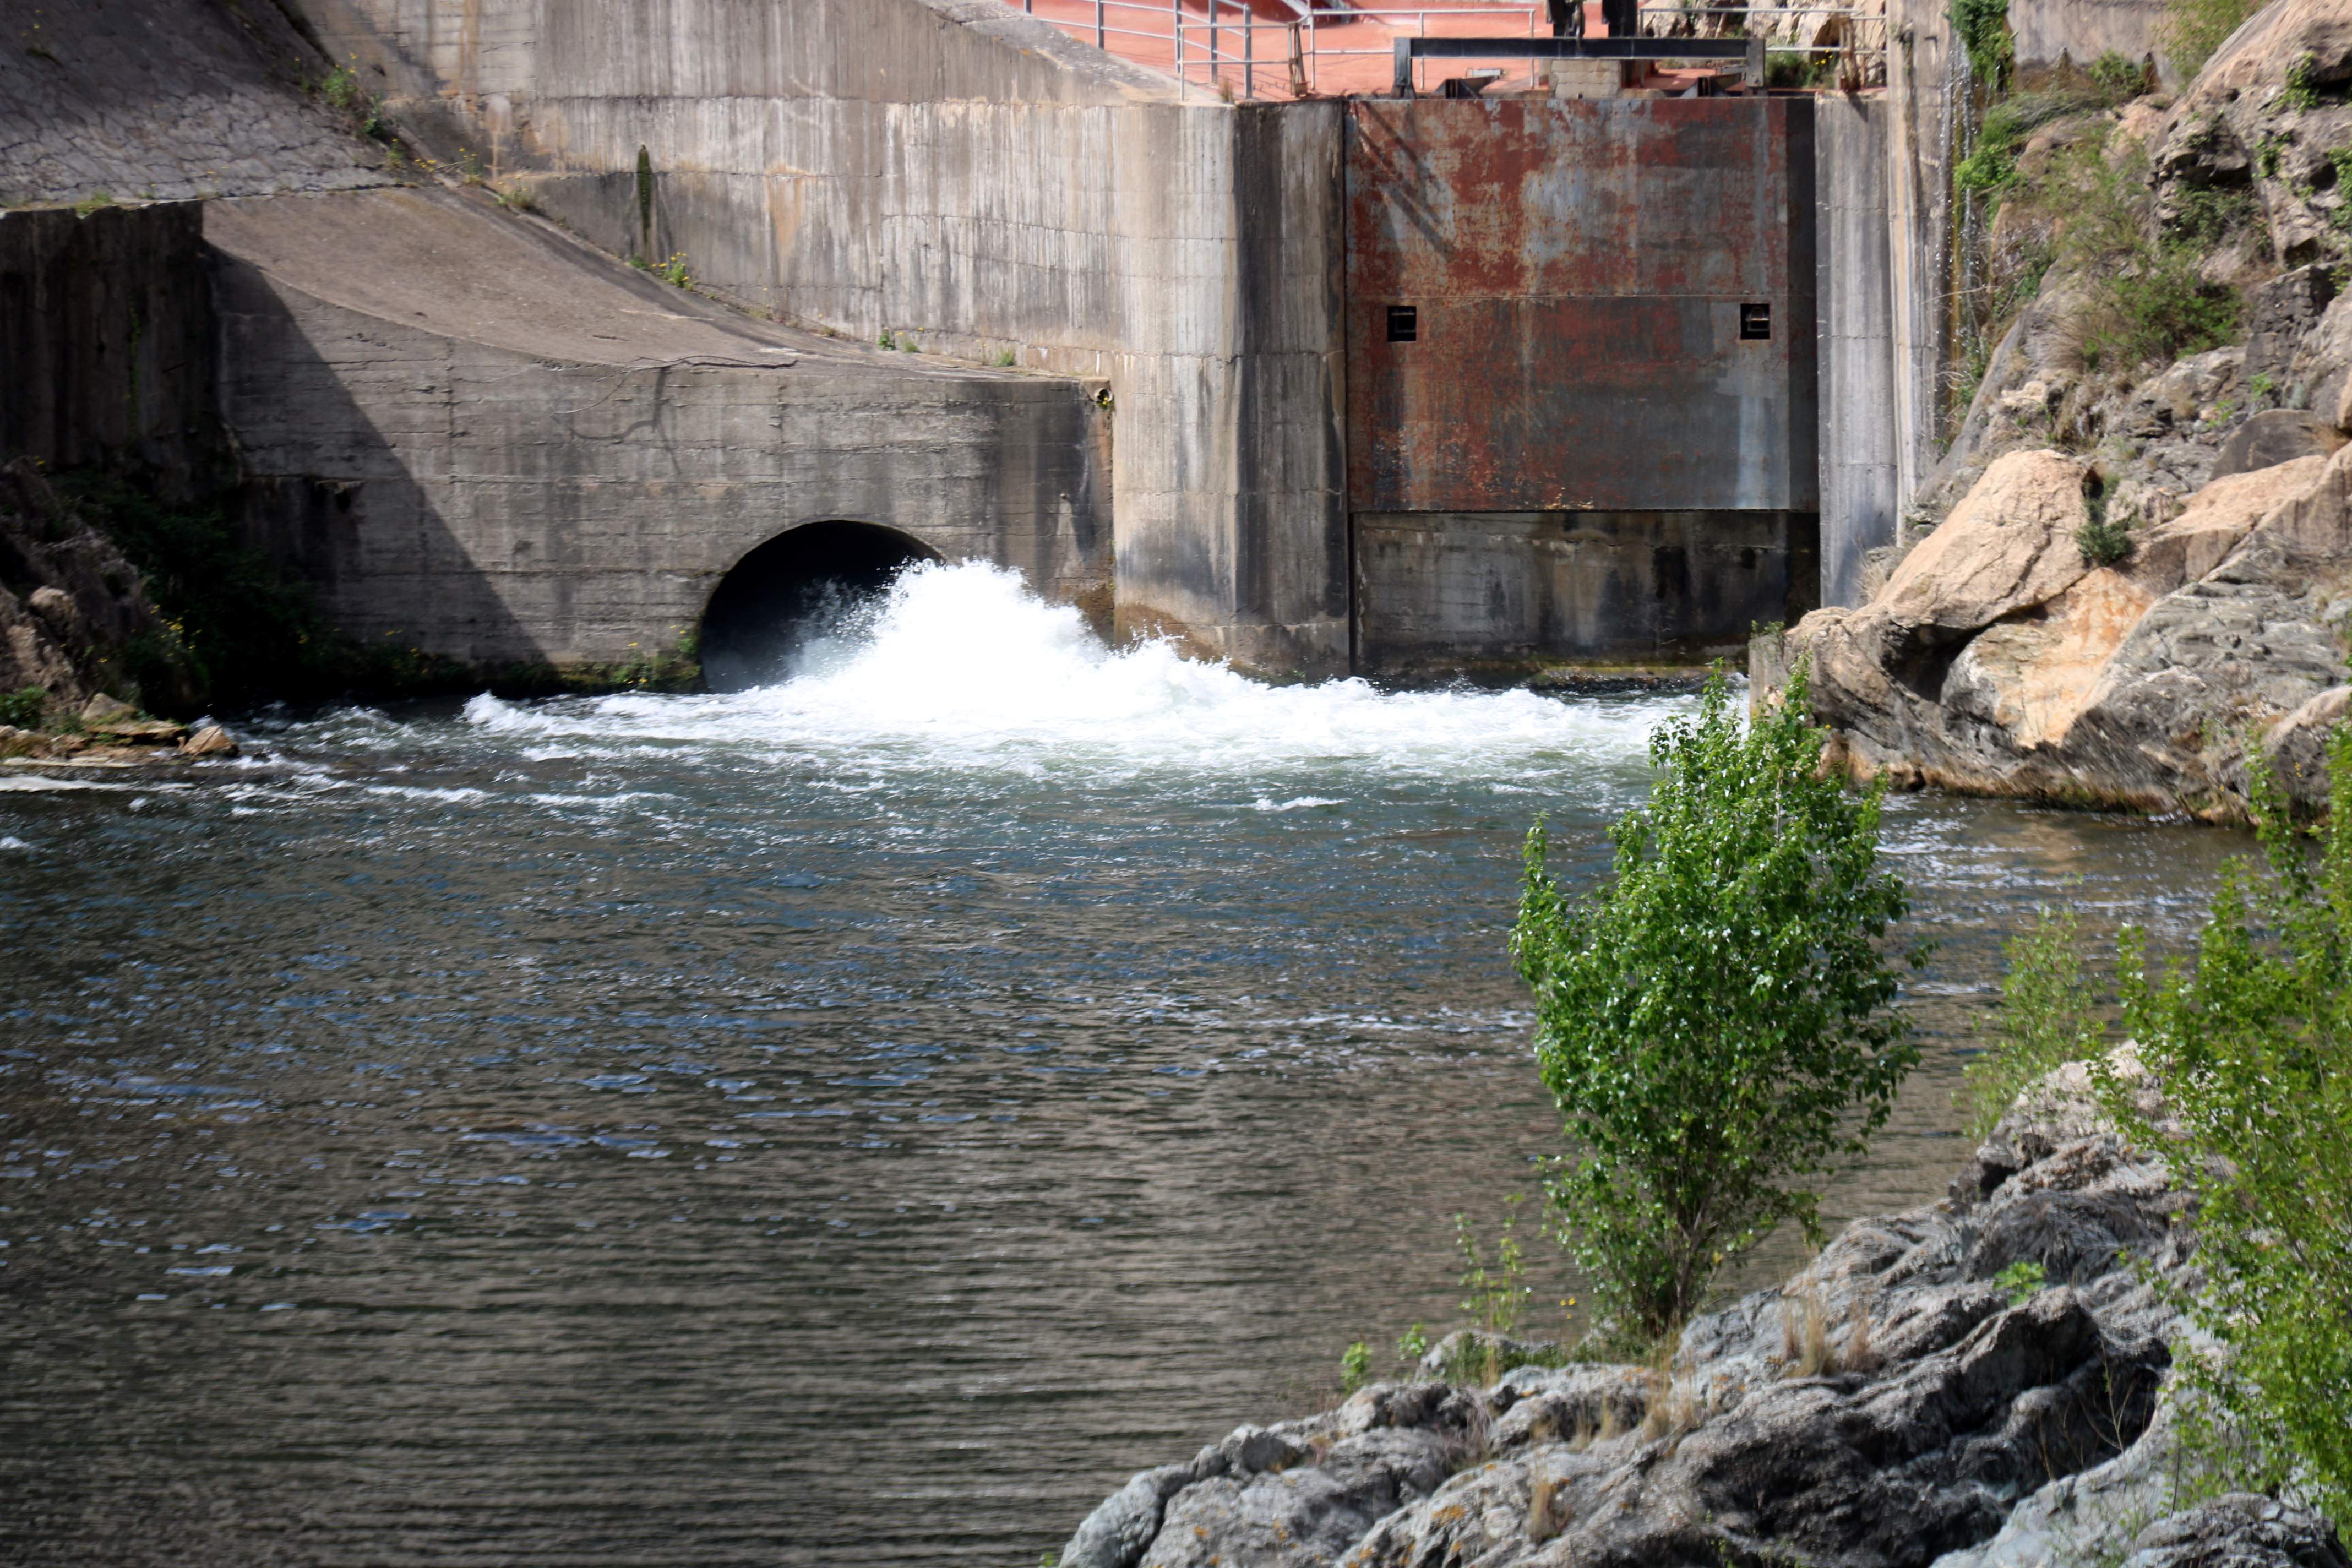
(145, 102)
(1859, 471)
(1443, 594)
(951, 172)
(483, 440)
(1579, 272)
(2048, 31)
(106, 326)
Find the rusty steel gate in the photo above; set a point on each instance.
(1581, 375)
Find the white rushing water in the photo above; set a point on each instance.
(962, 668)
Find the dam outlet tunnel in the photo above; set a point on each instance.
(807, 582)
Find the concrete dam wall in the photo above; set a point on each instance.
(1416, 387)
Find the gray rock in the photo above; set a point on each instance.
(2297, 745)
(104, 710)
(1885, 1406)
(1481, 1355)
(2279, 314)
(2275, 436)
(2239, 1530)
(1121, 1527)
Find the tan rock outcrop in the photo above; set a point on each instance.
(2215, 521)
(2142, 686)
(2042, 670)
(2009, 545)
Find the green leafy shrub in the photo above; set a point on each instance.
(1495, 1292)
(1355, 1366)
(1412, 1344)
(2117, 78)
(1991, 167)
(1714, 1023)
(2048, 1017)
(1982, 27)
(2022, 1280)
(2193, 29)
(1799, 69)
(22, 709)
(2251, 1050)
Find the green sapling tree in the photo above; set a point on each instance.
(2251, 1052)
(1713, 1022)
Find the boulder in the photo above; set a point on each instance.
(2009, 544)
(2033, 675)
(2239, 1530)
(2276, 436)
(2296, 746)
(2140, 686)
(209, 741)
(2186, 547)
(1888, 1405)
(103, 711)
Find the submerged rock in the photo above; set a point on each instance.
(209, 741)
(1889, 1406)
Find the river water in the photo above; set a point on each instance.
(856, 1120)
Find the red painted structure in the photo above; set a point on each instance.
(1578, 274)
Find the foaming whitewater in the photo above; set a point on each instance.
(962, 667)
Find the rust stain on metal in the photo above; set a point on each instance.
(1576, 270)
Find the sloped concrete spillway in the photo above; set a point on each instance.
(797, 585)
(477, 437)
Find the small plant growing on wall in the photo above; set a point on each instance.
(2104, 540)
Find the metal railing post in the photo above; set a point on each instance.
(1213, 43)
(1102, 35)
(1176, 25)
(1249, 52)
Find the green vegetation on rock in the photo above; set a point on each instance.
(2049, 1016)
(1714, 1022)
(22, 709)
(1982, 27)
(2250, 1050)
(2193, 29)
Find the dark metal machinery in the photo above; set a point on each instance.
(1751, 51)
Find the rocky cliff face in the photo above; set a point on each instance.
(73, 618)
(1993, 658)
(1891, 1405)
(1998, 660)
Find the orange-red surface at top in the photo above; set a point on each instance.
(1254, 47)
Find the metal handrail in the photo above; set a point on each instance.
(1201, 44)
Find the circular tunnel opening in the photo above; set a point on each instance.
(797, 587)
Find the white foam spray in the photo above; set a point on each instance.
(962, 668)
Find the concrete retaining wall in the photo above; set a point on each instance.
(1500, 593)
(144, 100)
(952, 172)
(2048, 31)
(1860, 472)
(106, 332)
(479, 440)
